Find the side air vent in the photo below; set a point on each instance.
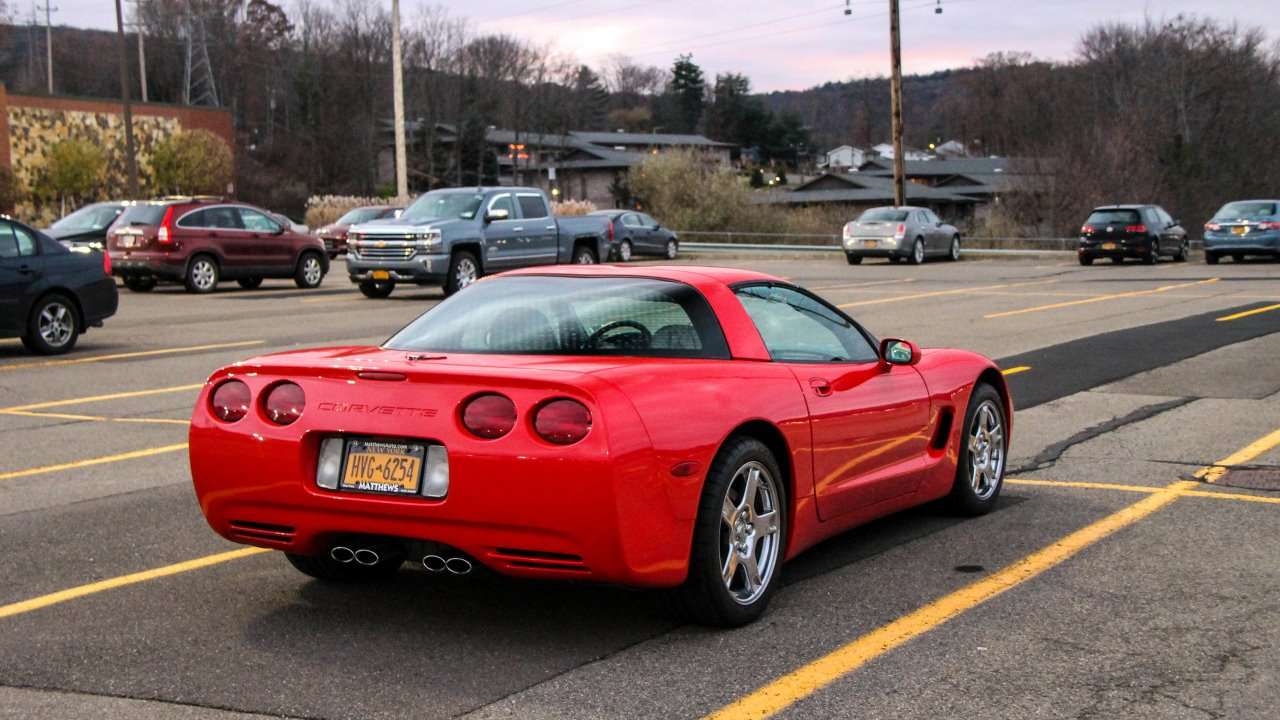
(539, 560)
(256, 532)
(943, 431)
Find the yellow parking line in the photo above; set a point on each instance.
(807, 679)
(863, 284)
(1234, 497)
(1084, 485)
(94, 418)
(941, 293)
(100, 398)
(1015, 370)
(132, 579)
(125, 356)
(1215, 471)
(1247, 313)
(131, 455)
(1099, 298)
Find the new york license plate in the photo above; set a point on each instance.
(380, 275)
(869, 243)
(1108, 246)
(383, 467)
(1241, 230)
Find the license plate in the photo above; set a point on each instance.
(1239, 230)
(380, 275)
(383, 467)
(869, 243)
(1108, 246)
(126, 240)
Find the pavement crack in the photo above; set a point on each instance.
(1047, 457)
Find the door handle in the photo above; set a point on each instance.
(821, 386)
(517, 229)
(550, 227)
(26, 270)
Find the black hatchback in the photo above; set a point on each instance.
(1132, 231)
(49, 294)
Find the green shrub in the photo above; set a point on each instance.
(194, 162)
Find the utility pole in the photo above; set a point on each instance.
(895, 50)
(397, 90)
(48, 41)
(130, 156)
(142, 53)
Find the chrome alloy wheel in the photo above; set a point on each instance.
(671, 249)
(624, 251)
(465, 273)
(955, 248)
(986, 451)
(749, 539)
(312, 273)
(203, 274)
(917, 252)
(57, 324)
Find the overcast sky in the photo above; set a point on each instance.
(790, 44)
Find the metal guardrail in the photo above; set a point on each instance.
(708, 247)
(758, 242)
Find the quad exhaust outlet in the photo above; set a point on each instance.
(453, 565)
(360, 556)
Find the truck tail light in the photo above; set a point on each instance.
(610, 231)
(163, 234)
(562, 422)
(284, 403)
(489, 416)
(230, 401)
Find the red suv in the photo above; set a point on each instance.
(200, 242)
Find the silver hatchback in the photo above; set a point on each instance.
(910, 233)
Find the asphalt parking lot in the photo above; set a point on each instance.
(1130, 571)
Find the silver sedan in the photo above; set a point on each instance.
(910, 233)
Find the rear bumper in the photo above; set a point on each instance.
(1267, 243)
(99, 301)
(420, 269)
(1122, 248)
(160, 265)
(858, 248)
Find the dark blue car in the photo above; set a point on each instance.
(49, 295)
(1245, 227)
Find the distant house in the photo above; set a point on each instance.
(985, 180)
(844, 158)
(860, 191)
(885, 151)
(951, 149)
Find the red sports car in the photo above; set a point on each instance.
(666, 427)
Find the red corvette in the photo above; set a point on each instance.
(667, 427)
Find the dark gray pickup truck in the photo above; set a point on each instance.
(453, 237)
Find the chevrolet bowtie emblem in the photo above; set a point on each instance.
(381, 244)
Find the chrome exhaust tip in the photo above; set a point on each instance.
(434, 563)
(342, 554)
(458, 566)
(366, 557)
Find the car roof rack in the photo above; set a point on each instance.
(191, 198)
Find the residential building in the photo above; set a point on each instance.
(885, 151)
(845, 158)
(859, 191)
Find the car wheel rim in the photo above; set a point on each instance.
(311, 271)
(919, 252)
(749, 537)
(625, 252)
(584, 258)
(671, 249)
(202, 274)
(466, 273)
(56, 324)
(955, 249)
(986, 451)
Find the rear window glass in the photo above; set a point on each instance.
(1113, 217)
(142, 215)
(532, 207)
(883, 215)
(545, 315)
(1247, 211)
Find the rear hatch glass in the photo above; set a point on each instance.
(1112, 223)
(142, 215)
(136, 227)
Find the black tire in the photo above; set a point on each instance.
(1152, 257)
(310, 271)
(704, 597)
(54, 325)
(459, 275)
(1086, 260)
(585, 255)
(853, 259)
(894, 259)
(1237, 257)
(250, 283)
(917, 253)
(203, 274)
(964, 498)
(954, 253)
(322, 567)
(1184, 249)
(625, 253)
(377, 289)
(1211, 258)
(140, 283)
(1117, 260)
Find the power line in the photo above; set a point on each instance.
(770, 21)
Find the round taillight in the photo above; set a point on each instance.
(283, 403)
(562, 422)
(230, 401)
(489, 416)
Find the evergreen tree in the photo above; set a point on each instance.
(591, 99)
(688, 93)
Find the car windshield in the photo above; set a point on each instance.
(549, 315)
(90, 217)
(1112, 217)
(142, 215)
(1247, 211)
(883, 215)
(359, 215)
(442, 204)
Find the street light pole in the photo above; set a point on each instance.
(895, 49)
(397, 91)
(129, 152)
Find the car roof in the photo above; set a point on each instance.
(1122, 207)
(695, 275)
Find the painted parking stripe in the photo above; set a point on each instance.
(80, 591)
(96, 418)
(942, 293)
(120, 457)
(808, 679)
(1247, 313)
(1015, 370)
(100, 398)
(129, 355)
(1146, 489)
(1099, 298)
